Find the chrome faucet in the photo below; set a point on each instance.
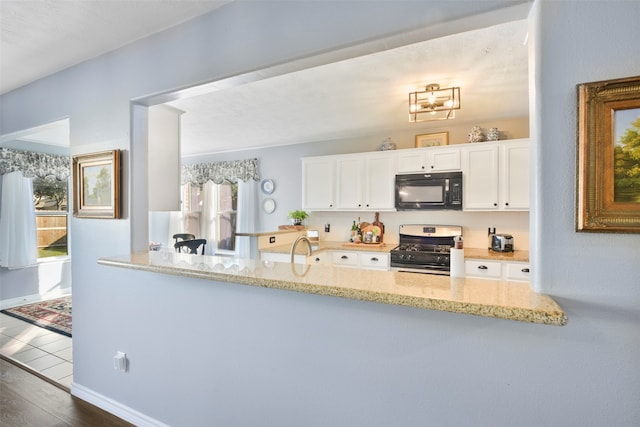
(295, 243)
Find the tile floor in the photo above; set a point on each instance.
(45, 351)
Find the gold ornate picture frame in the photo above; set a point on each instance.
(432, 139)
(96, 181)
(608, 156)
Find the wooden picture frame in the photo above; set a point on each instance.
(96, 181)
(432, 139)
(607, 172)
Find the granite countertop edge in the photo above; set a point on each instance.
(525, 305)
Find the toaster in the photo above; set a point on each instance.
(502, 242)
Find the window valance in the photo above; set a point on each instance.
(33, 164)
(218, 172)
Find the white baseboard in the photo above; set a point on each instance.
(113, 407)
(30, 299)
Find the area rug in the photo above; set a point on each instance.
(54, 314)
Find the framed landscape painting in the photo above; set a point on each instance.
(608, 161)
(96, 181)
(432, 139)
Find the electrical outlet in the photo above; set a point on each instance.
(120, 362)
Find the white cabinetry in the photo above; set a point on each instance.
(498, 270)
(374, 260)
(496, 175)
(318, 183)
(519, 271)
(349, 182)
(345, 258)
(433, 159)
(365, 260)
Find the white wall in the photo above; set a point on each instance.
(238, 355)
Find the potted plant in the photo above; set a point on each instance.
(298, 216)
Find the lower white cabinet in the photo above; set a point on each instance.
(505, 270)
(519, 271)
(322, 258)
(345, 258)
(357, 259)
(483, 268)
(374, 260)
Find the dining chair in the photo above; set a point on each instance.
(192, 245)
(183, 236)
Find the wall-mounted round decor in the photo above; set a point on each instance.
(267, 186)
(269, 205)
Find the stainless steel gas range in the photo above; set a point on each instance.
(424, 248)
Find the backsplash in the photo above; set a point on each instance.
(474, 224)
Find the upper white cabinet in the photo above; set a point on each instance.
(318, 183)
(496, 175)
(349, 182)
(432, 159)
(517, 175)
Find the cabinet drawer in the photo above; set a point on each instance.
(488, 269)
(518, 271)
(374, 261)
(345, 258)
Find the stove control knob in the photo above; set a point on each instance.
(409, 256)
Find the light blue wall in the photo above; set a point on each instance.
(238, 355)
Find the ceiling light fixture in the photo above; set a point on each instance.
(434, 103)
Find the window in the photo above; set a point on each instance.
(223, 214)
(50, 203)
(226, 215)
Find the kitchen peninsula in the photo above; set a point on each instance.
(480, 297)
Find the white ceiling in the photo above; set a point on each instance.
(41, 37)
(356, 97)
(363, 96)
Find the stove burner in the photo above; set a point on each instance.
(423, 248)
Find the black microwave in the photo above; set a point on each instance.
(429, 191)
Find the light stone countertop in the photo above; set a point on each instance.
(480, 297)
(323, 245)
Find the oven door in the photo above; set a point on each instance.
(424, 269)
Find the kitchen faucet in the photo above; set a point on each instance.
(295, 243)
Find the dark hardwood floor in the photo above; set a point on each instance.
(27, 400)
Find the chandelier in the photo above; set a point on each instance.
(434, 103)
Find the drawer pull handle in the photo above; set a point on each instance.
(344, 257)
(317, 259)
(483, 267)
(374, 259)
(525, 270)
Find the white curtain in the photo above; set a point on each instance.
(18, 237)
(208, 217)
(247, 215)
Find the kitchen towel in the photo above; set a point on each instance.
(457, 262)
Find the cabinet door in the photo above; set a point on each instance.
(345, 259)
(480, 171)
(519, 271)
(320, 258)
(482, 268)
(349, 186)
(318, 183)
(374, 260)
(412, 161)
(516, 176)
(379, 183)
(443, 160)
